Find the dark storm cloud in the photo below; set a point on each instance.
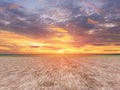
(32, 18)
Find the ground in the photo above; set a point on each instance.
(98, 72)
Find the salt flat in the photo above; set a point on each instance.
(100, 72)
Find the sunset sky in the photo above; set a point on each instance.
(59, 26)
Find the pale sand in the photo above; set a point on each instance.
(60, 73)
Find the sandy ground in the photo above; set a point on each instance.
(60, 73)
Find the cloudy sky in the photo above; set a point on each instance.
(59, 26)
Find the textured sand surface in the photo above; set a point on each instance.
(60, 73)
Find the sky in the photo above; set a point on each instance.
(59, 26)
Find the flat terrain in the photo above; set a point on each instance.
(100, 72)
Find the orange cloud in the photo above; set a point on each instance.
(14, 6)
(92, 21)
(57, 29)
(4, 48)
(1, 9)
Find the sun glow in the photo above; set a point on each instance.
(54, 45)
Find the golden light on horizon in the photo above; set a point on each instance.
(55, 45)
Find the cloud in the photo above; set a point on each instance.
(1, 9)
(98, 44)
(109, 50)
(59, 30)
(64, 24)
(14, 6)
(92, 21)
